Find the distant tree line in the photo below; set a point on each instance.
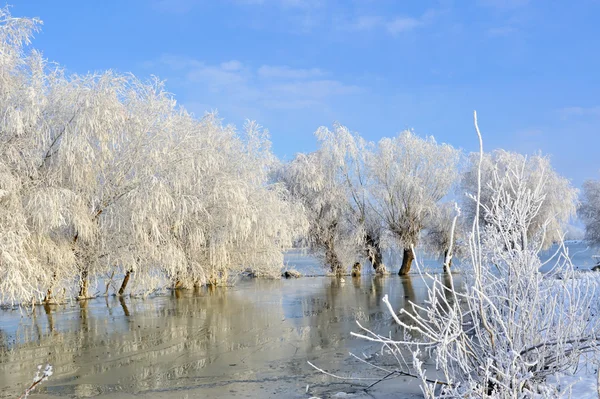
(360, 197)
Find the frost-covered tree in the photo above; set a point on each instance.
(222, 214)
(589, 210)
(410, 176)
(314, 181)
(107, 137)
(536, 172)
(22, 100)
(103, 176)
(348, 153)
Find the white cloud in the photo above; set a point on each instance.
(315, 89)
(285, 72)
(215, 77)
(366, 22)
(392, 25)
(502, 31)
(232, 65)
(402, 24)
(574, 112)
(275, 87)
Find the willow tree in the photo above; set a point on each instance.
(107, 136)
(536, 173)
(103, 175)
(22, 102)
(216, 211)
(348, 154)
(168, 194)
(410, 176)
(313, 180)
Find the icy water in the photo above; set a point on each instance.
(250, 340)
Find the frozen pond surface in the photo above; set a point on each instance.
(251, 340)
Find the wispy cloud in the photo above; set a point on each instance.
(402, 24)
(285, 72)
(268, 86)
(502, 31)
(393, 25)
(504, 4)
(578, 112)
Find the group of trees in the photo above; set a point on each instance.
(103, 176)
(361, 197)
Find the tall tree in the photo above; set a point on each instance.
(313, 180)
(349, 153)
(22, 101)
(410, 176)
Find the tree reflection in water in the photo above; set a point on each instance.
(258, 332)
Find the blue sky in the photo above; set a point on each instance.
(529, 67)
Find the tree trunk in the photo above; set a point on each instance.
(356, 269)
(108, 283)
(332, 259)
(125, 281)
(48, 297)
(374, 254)
(447, 262)
(407, 258)
(197, 285)
(48, 310)
(84, 284)
(376, 259)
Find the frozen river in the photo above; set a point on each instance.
(250, 340)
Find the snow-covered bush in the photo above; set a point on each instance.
(510, 327)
